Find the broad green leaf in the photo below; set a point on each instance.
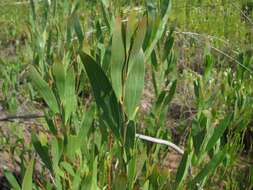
(117, 59)
(134, 86)
(43, 89)
(218, 132)
(208, 169)
(138, 39)
(130, 29)
(104, 94)
(12, 180)
(28, 178)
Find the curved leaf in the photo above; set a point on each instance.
(44, 90)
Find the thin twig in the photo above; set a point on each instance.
(24, 117)
(202, 35)
(160, 141)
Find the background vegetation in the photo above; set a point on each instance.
(128, 94)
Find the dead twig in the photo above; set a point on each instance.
(10, 118)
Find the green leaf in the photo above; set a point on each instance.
(104, 94)
(77, 181)
(120, 181)
(106, 15)
(168, 46)
(73, 144)
(28, 181)
(117, 59)
(56, 151)
(130, 135)
(42, 151)
(159, 32)
(70, 94)
(44, 90)
(94, 184)
(183, 168)
(165, 98)
(67, 167)
(138, 39)
(208, 62)
(218, 132)
(59, 79)
(130, 29)
(134, 86)
(145, 186)
(78, 30)
(131, 173)
(208, 169)
(12, 180)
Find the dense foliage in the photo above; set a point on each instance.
(114, 90)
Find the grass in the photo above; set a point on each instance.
(94, 91)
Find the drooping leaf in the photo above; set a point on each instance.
(43, 89)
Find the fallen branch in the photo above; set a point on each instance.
(160, 141)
